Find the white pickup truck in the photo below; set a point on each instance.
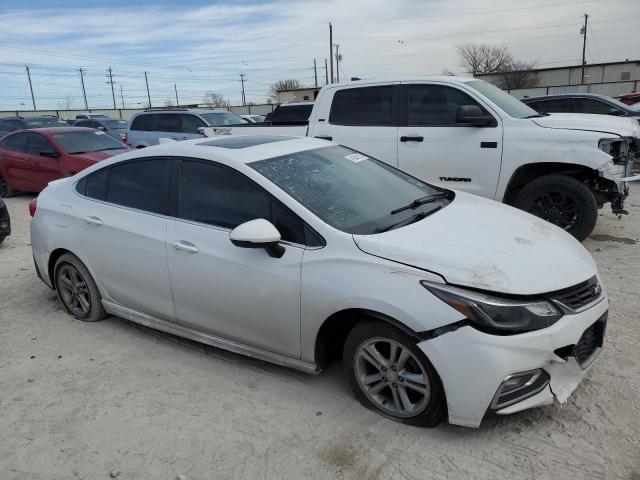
(468, 134)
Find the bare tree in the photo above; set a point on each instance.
(68, 103)
(478, 58)
(215, 100)
(168, 103)
(519, 75)
(282, 85)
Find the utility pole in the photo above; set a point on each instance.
(175, 87)
(146, 80)
(113, 93)
(84, 92)
(315, 72)
(326, 73)
(338, 58)
(244, 100)
(122, 96)
(33, 98)
(584, 43)
(331, 49)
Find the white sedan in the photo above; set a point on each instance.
(300, 252)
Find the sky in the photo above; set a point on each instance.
(198, 46)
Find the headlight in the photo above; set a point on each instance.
(496, 314)
(618, 148)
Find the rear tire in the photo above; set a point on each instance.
(563, 201)
(2, 237)
(77, 290)
(397, 380)
(5, 189)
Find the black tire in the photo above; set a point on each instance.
(563, 201)
(95, 311)
(2, 237)
(433, 408)
(5, 189)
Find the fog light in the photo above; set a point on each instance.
(519, 386)
(4, 225)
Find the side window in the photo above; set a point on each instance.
(219, 196)
(292, 114)
(97, 184)
(17, 142)
(588, 105)
(168, 122)
(558, 105)
(144, 123)
(82, 123)
(370, 106)
(191, 123)
(37, 144)
(432, 105)
(140, 184)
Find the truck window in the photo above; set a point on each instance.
(292, 114)
(144, 123)
(435, 105)
(366, 106)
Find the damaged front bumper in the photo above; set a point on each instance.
(473, 365)
(613, 177)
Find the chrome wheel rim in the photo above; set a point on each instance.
(392, 377)
(74, 291)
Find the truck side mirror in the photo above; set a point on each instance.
(472, 115)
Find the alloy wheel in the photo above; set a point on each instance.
(557, 208)
(74, 291)
(392, 377)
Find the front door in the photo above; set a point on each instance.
(44, 161)
(436, 149)
(237, 293)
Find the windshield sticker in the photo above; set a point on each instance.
(356, 157)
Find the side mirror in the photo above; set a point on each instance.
(258, 233)
(51, 154)
(472, 115)
(102, 128)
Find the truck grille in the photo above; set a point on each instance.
(590, 343)
(574, 298)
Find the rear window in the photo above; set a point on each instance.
(44, 122)
(366, 106)
(145, 123)
(292, 114)
(168, 122)
(115, 124)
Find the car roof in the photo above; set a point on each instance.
(184, 110)
(51, 130)
(568, 95)
(427, 78)
(230, 150)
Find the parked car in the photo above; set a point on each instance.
(580, 103)
(254, 118)
(466, 132)
(147, 128)
(5, 220)
(87, 116)
(438, 302)
(12, 124)
(112, 126)
(629, 98)
(30, 159)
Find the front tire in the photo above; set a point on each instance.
(389, 374)
(77, 290)
(563, 201)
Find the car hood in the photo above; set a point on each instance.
(623, 126)
(97, 156)
(480, 243)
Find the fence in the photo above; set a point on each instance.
(127, 113)
(611, 89)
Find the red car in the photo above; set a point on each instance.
(30, 159)
(629, 98)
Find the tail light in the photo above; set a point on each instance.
(33, 205)
(125, 138)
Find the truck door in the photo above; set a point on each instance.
(362, 118)
(436, 149)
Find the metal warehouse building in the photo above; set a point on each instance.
(615, 78)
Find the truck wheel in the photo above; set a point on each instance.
(389, 374)
(5, 189)
(561, 200)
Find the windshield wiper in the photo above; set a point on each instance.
(538, 115)
(420, 201)
(413, 219)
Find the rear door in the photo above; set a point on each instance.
(124, 232)
(362, 118)
(169, 125)
(436, 149)
(190, 125)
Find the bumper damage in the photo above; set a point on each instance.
(473, 365)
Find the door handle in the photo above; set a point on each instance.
(93, 221)
(411, 138)
(324, 137)
(184, 246)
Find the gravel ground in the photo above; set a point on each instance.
(114, 400)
